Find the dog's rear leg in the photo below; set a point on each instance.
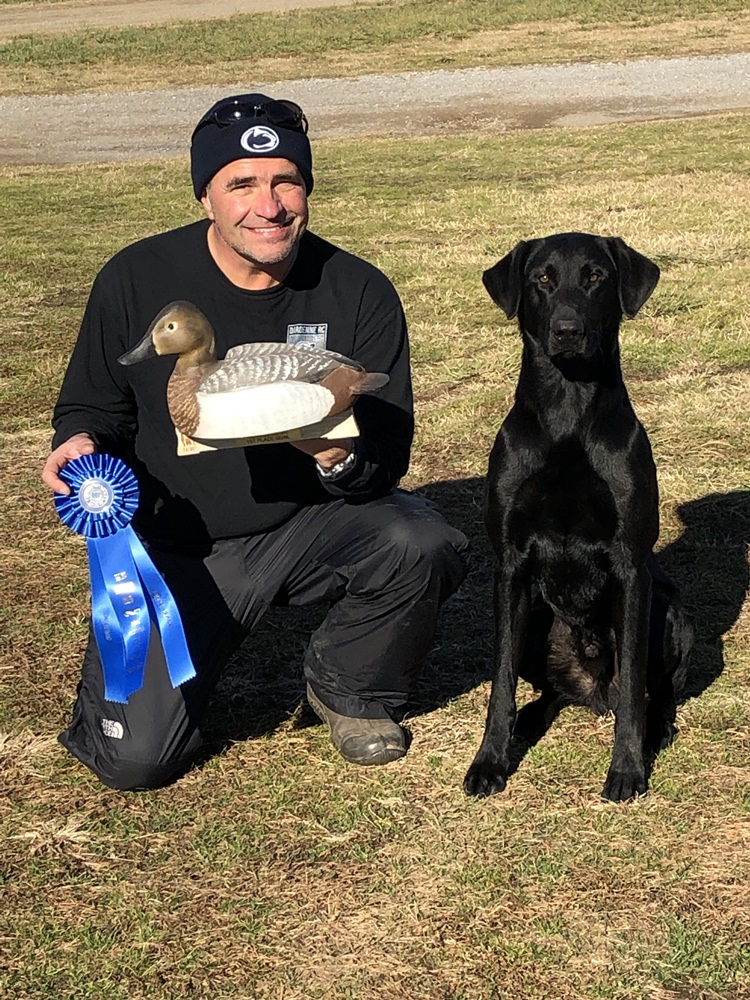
(660, 717)
(489, 771)
(627, 772)
(671, 644)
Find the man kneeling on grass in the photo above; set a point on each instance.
(235, 530)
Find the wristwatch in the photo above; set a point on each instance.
(339, 468)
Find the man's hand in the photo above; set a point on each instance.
(79, 444)
(326, 453)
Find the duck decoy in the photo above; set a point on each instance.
(258, 389)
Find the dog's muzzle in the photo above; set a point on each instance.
(567, 336)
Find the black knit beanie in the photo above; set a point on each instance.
(213, 145)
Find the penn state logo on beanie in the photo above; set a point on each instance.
(214, 145)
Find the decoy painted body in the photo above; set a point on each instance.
(257, 389)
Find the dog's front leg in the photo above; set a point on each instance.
(627, 772)
(489, 771)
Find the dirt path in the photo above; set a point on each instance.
(55, 18)
(126, 126)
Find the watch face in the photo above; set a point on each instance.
(341, 466)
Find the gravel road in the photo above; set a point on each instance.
(146, 124)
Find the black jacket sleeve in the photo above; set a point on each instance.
(386, 418)
(95, 396)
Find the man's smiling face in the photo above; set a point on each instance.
(259, 210)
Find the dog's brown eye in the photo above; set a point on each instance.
(593, 277)
(544, 279)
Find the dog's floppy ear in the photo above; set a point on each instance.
(637, 275)
(504, 280)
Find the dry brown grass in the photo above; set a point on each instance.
(349, 43)
(275, 871)
(522, 44)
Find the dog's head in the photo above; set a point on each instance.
(571, 290)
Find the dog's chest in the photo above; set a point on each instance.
(563, 502)
(564, 520)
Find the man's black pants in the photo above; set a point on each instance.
(387, 566)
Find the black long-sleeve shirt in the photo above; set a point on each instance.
(346, 304)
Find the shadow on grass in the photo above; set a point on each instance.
(263, 686)
(708, 562)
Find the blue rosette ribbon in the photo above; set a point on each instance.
(127, 590)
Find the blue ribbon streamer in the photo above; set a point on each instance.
(127, 590)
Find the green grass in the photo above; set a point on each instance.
(368, 37)
(276, 871)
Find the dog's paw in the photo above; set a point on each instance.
(484, 778)
(622, 784)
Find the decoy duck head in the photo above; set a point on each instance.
(180, 328)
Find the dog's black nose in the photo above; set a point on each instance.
(567, 335)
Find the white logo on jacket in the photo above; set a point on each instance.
(307, 333)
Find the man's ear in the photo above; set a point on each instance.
(637, 275)
(504, 280)
(206, 202)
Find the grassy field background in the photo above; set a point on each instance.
(370, 38)
(276, 872)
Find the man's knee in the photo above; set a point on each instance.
(422, 543)
(139, 776)
(123, 774)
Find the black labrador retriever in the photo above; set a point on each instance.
(582, 609)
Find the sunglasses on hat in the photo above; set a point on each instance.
(284, 114)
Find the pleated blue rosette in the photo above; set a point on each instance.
(127, 590)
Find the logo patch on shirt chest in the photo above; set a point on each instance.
(315, 334)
